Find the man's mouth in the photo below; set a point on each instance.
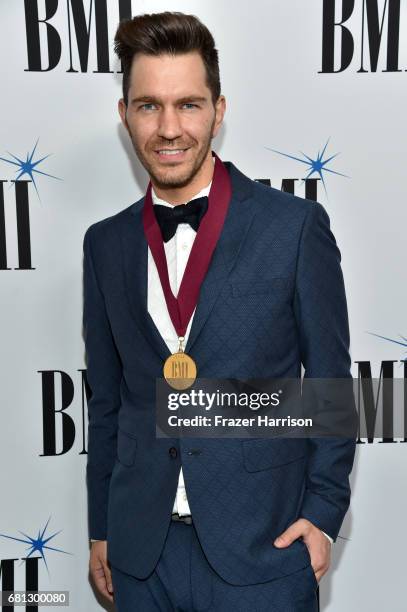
(174, 154)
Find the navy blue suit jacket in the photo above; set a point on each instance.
(273, 298)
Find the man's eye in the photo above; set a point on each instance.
(190, 104)
(143, 106)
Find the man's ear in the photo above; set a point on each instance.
(220, 108)
(122, 112)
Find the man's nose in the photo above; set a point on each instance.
(169, 126)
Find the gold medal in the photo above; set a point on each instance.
(180, 369)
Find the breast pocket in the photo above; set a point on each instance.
(267, 453)
(126, 448)
(259, 287)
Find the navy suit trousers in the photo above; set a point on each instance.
(183, 581)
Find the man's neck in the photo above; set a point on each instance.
(180, 195)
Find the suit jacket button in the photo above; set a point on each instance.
(173, 452)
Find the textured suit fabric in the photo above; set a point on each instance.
(273, 298)
(183, 580)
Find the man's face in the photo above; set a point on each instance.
(170, 108)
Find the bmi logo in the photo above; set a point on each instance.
(316, 167)
(382, 403)
(368, 33)
(35, 549)
(85, 28)
(378, 397)
(27, 169)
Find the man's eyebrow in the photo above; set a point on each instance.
(179, 101)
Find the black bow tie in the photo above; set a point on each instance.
(169, 218)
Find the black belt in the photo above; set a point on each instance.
(184, 519)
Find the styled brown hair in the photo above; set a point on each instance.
(168, 32)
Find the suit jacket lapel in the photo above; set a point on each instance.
(237, 223)
(135, 261)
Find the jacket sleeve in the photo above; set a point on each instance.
(322, 318)
(104, 373)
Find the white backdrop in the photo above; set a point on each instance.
(277, 98)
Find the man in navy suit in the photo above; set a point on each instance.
(206, 524)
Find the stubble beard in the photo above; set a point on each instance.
(174, 177)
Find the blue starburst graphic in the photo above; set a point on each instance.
(38, 544)
(315, 166)
(403, 343)
(29, 166)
